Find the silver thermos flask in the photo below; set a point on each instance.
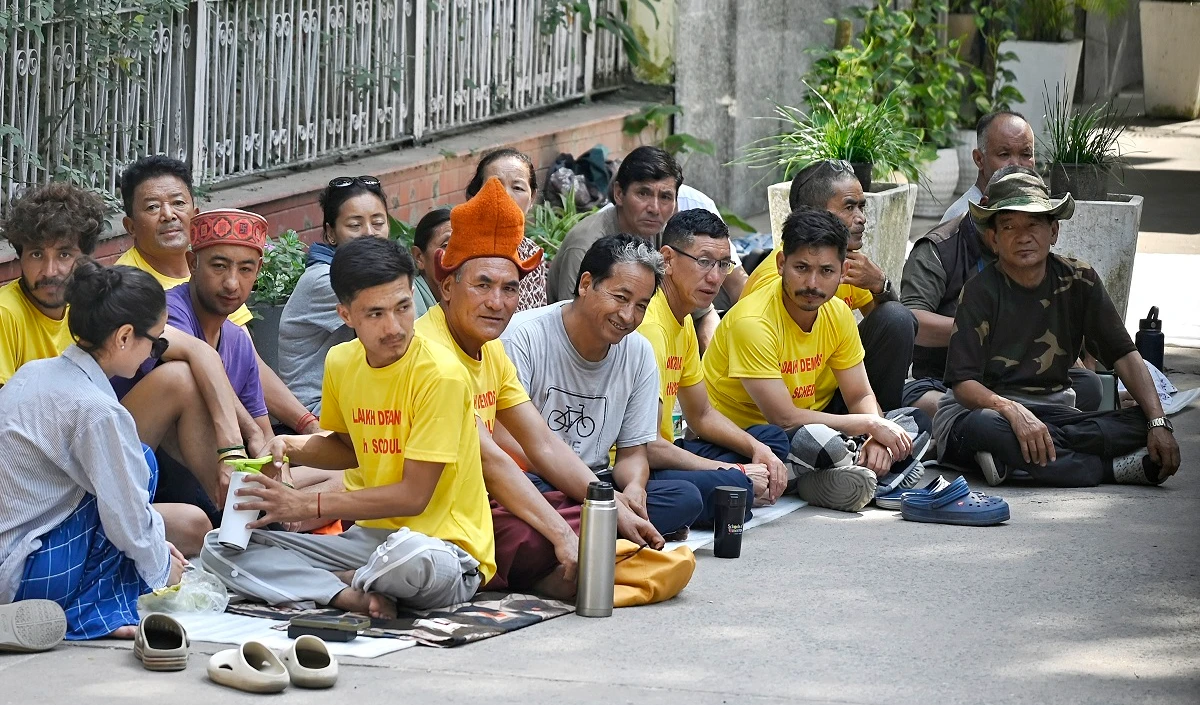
(597, 552)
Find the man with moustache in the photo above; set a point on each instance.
(50, 227)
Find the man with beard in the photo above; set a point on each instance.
(887, 329)
(789, 355)
(50, 227)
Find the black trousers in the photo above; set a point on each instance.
(887, 336)
(1085, 442)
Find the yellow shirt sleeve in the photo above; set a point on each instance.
(692, 374)
(509, 392)
(849, 351)
(855, 297)
(331, 409)
(437, 420)
(754, 349)
(658, 342)
(10, 345)
(242, 316)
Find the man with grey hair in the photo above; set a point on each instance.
(595, 381)
(943, 260)
(1002, 138)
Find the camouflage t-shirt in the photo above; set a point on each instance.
(1023, 341)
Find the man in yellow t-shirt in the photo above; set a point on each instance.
(480, 272)
(789, 355)
(888, 330)
(398, 412)
(696, 256)
(157, 194)
(50, 227)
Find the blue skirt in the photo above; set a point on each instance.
(80, 569)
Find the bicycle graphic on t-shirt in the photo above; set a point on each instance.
(565, 420)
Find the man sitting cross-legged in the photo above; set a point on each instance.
(782, 354)
(51, 227)
(695, 254)
(480, 272)
(594, 380)
(887, 329)
(398, 409)
(1021, 323)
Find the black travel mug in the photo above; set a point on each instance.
(729, 513)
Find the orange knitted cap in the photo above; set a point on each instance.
(489, 225)
(229, 226)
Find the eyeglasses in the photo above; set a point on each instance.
(158, 346)
(837, 166)
(344, 181)
(706, 264)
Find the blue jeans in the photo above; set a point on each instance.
(706, 481)
(671, 504)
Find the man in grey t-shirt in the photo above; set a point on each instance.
(595, 380)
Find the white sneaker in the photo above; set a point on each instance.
(994, 473)
(846, 488)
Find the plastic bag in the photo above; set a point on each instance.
(197, 591)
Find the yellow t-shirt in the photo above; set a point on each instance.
(133, 258)
(767, 272)
(758, 339)
(27, 334)
(497, 386)
(418, 408)
(677, 354)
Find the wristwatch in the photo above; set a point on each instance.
(886, 293)
(1160, 422)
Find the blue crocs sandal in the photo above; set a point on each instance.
(955, 504)
(891, 500)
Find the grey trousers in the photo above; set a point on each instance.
(418, 571)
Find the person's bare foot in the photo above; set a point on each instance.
(126, 632)
(377, 605)
(555, 586)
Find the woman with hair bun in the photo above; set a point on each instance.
(78, 528)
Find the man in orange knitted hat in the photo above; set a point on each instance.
(480, 273)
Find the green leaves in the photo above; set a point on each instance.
(282, 265)
(401, 231)
(1090, 136)
(548, 225)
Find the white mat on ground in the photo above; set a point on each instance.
(762, 515)
(226, 628)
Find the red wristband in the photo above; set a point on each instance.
(741, 467)
(305, 420)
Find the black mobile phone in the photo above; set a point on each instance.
(328, 627)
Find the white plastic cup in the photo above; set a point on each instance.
(233, 533)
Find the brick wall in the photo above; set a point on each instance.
(415, 179)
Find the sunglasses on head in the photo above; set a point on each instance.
(838, 166)
(344, 181)
(158, 346)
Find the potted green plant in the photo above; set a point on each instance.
(936, 88)
(1045, 50)
(1084, 151)
(282, 265)
(1171, 57)
(989, 85)
(547, 224)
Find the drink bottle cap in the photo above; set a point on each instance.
(1151, 321)
(600, 492)
(731, 496)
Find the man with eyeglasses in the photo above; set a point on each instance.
(647, 191)
(696, 257)
(887, 329)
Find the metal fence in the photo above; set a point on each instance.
(241, 87)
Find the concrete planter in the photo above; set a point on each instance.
(1105, 234)
(964, 146)
(938, 181)
(1171, 58)
(1040, 67)
(889, 219)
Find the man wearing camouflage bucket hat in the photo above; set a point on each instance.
(1023, 320)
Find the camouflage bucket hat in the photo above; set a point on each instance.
(1024, 192)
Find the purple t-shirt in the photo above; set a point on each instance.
(235, 348)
